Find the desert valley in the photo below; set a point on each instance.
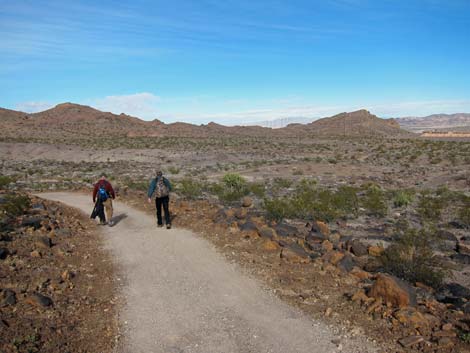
(359, 221)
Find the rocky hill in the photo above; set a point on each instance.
(72, 121)
(358, 123)
(448, 122)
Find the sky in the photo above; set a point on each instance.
(237, 62)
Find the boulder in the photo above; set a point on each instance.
(4, 253)
(358, 248)
(346, 264)
(393, 290)
(411, 341)
(43, 242)
(37, 299)
(270, 245)
(241, 213)
(247, 201)
(34, 222)
(333, 257)
(294, 253)
(285, 230)
(266, 232)
(320, 230)
(9, 297)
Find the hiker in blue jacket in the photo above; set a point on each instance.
(162, 187)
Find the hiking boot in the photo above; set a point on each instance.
(110, 223)
(103, 223)
(168, 226)
(160, 225)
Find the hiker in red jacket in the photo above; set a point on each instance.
(103, 194)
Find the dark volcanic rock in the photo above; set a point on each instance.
(446, 235)
(37, 299)
(9, 297)
(346, 264)
(461, 258)
(285, 230)
(34, 222)
(4, 253)
(358, 248)
(43, 241)
(248, 226)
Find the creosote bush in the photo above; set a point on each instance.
(402, 198)
(412, 258)
(190, 188)
(14, 205)
(4, 181)
(232, 188)
(374, 201)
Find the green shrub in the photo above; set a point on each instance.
(4, 181)
(411, 258)
(232, 189)
(402, 198)
(282, 183)
(257, 189)
(174, 170)
(15, 204)
(374, 201)
(463, 213)
(277, 209)
(190, 188)
(430, 206)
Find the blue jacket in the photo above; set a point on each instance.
(153, 185)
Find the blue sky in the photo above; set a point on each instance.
(237, 61)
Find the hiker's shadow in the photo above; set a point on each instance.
(119, 218)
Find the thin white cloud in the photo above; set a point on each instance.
(143, 105)
(33, 107)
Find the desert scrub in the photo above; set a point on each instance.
(14, 205)
(373, 201)
(258, 189)
(4, 181)
(430, 206)
(463, 214)
(189, 188)
(173, 170)
(232, 188)
(277, 208)
(402, 198)
(412, 258)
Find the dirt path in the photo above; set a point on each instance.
(182, 296)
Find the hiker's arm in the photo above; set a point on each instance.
(95, 190)
(151, 188)
(111, 191)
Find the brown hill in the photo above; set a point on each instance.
(67, 121)
(358, 123)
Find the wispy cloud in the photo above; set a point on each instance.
(33, 107)
(143, 105)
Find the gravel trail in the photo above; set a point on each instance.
(181, 295)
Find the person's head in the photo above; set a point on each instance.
(103, 176)
(159, 173)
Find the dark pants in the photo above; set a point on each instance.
(159, 201)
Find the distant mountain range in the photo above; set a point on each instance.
(445, 122)
(68, 120)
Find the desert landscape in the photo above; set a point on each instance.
(351, 218)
